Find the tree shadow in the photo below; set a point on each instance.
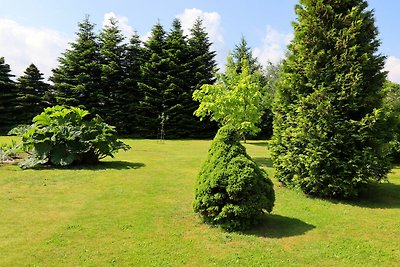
(277, 226)
(115, 165)
(379, 196)
(263, 162)
(263, 144)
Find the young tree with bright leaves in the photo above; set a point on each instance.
(328, 131)
(33, 94)
(114, 93)
(8, 96)
(236, 99)
(78, 76)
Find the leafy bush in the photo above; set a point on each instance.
(231, 190)
(8, 152)
(62, 136)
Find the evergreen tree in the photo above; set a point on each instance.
(134, 60)
(115, 94)
(8, 95)
(177, 95)
(33, 94)
(154, 71)
(77, 78)
(243, 52)
(202, 69)
(231, 190)
(328, 136)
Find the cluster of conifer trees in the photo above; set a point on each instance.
(132, 85)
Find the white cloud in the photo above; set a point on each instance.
(123, 25)
(21, 45)
(273, 47)
(211, 22)
(393, 67)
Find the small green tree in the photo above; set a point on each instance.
(231, 190)
(329, 138)
(62, 136)
(236, 99)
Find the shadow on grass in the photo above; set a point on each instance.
(380, 196)
(277, 226)
(102, 165)
(264, 143)
(263, 162)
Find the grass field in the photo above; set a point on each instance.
(135, 210)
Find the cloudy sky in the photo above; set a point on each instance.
(39, 31)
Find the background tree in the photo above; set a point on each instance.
(391, 103)
(114, 93)
(328, 137)
(33, 94)
(77, 78)
(154, 72)
(236, 99)
(202, 69)
(135, 56)
(8, 96)
(243, 51)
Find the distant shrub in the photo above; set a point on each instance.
(62, 136)
(8, 152)
(231, 190)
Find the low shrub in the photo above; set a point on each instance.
(231, 190)
(62, 136)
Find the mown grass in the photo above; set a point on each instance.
(135, 210)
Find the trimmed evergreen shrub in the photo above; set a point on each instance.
(231, 190)
(62, 136)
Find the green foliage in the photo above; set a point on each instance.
(62, 136)
(8, 151)
(391, 103)
(329, 134)
(8, 95)
(236, 99)
(231, 190)
(33, 94)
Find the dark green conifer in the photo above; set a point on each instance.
(8, 96)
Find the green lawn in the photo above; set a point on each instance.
(135, 210)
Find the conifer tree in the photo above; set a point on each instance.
(115, 94)
(202, 69)
(328, 136)
(231, 190)
(77, 78)
(8, 95)
(134, 60)
(176, 94)
(154, 72)
(33, 94)
(243, 52)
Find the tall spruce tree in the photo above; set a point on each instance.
(177, 95)
(243, 52)
(33, 94)
(8, 96)
(327, 125)
(135, 56)
(154, 71)
(202, 69)
(77, 78)
(115, 94)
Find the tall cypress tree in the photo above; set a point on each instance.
(8, 95)
(202, 69)
(328, 136)
(33, 94)
(115, 94)
(154, 72)
(77, 78)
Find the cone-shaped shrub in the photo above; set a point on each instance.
(231, 190)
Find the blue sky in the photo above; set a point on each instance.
(38, 31)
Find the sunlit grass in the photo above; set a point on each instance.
(135, 210)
